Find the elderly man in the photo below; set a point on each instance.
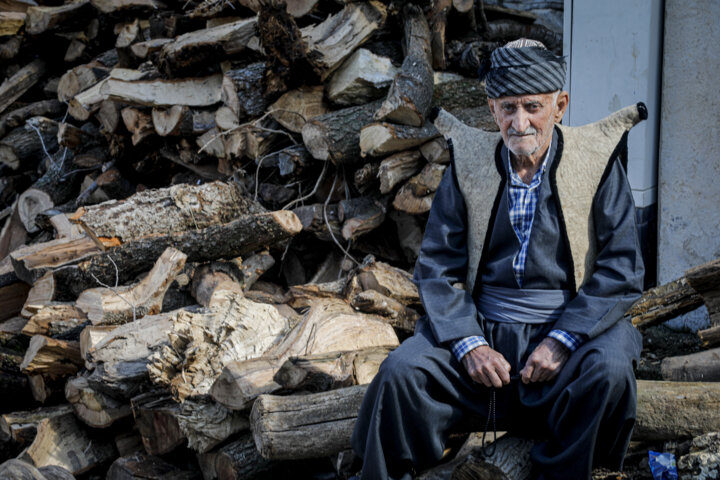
(529, 261)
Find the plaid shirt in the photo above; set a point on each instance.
(522, 200)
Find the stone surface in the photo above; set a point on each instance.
(703, 461)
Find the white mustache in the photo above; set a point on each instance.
(527, 131)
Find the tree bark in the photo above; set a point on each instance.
(705, 279)
(22, 148)
(139, 465)
(156, 419)
(399, 316)
(663, 303)
(408, 101)
(13, 87)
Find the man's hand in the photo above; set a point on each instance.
(487, 366)
(545, 362)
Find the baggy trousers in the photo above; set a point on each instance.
(422, 394)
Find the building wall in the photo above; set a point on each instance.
(689, 169)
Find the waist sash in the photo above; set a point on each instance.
(513, 305)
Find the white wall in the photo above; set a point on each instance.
(613, 48)
(689, 172)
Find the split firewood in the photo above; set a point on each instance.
(119, 360)
(138, 123)
(94, 408)
(511, 461)
(407, 201)
(408, 101)
(330, 371)
(16, 118)
(30, 204)
(362, 78)
(13, 87)
(247, 83)
(207, 424)
(206, 280)
(143, 49)
(108, 305)
(42, 19)
(12, 236)
(156, 419)
(10, 333)
(313, 220)
(399, 316)
(164, 210)
(260, 138)
(710, 337)
(296, 107)
(11, 22)
(305, 295)
(334, 136)
(705, 279)
(49, 356)
(200, 46)
(663, 303)
(25, 146)
(391, 281)
(18, 469)
(74, 137)
(111, 6)
(331, 41)
(330, 325)
(396, 168)
(427, 181)
(90, 336)
(194, 92)
(436, 151)
(239, 459)
(282, 426)
(82, 77)
(696, 367)
(46, 389)
(181, 120)
(232, 329)
(21, 427)
(378, 139)
(55, 320)
(142, 465)
(62, 441)
(359, 216)
(254, 267)
(88, 101)
(12, 299)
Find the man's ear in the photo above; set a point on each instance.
(561, 104)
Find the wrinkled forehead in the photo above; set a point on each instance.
(529, 99)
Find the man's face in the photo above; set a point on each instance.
(526, 121)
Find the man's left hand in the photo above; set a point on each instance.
(545, 362)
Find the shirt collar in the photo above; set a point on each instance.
(537, 178)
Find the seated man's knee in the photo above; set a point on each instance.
(608, 371)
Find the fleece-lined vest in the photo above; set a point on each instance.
(583, 157)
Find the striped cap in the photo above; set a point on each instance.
(523, 67)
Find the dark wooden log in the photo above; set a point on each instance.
(22, 148)
(15, 469)
(12, 299)
(705, 279)
(313, 220)
(438, 22)
(360, 215)
(663, 303)
(13, 87)
(41, 19)
(16, 118)
(408, 101)
(696, 367)
(141, 465)
(399, 315)
(156, 419)
(710, 337)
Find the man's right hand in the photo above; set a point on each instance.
(487, 366)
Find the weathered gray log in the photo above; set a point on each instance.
(705, 279)
(305, 426)
(94, 408)
(239, 459)
(156, 419)
(408, 101)
(663, 303)
(16, 118)
(42, 19)
(362, 78)
(194, 92)
(21, 427)
(141, 465)
(13, 87)
(696, 367)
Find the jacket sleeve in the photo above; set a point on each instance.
(442, 262)
(619, 271)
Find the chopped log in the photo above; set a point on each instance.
(331, 41)
(710, 337)
(128, 303)
(143, 49)
(202, 46)
(193, 92)
(313, 220)
(31, 203)
(408, 101)
(17, 117)
(42, 19)
(87, 102)
(11, 22)
(62, 441)
(696, 367)
(19, 470)
(399, 316)
(305, 426)
(391, 281)
(365, 178)
(330, 325)
(34, 261)
(254, 267)
(21, 427)
(248, 84)
(82, 77)
(663, 303)
(176, 120)
(378, 139)
(293, 109)
(207, 424)
(705, 279)
(120, 358)
(56, 321)
(12, 299)
(396, 168)
(49, 356)
(305, 295)
(360, 215)
(13, 87)
(261, 137)
(233, 328)
(238, 237)
(206, 281)
(362, 78)
(240, 459)
(23, 147)
(10, 333)
(46, 389)
(90, 336)
(110, 6)
(74, 137)
(12, 236)
(94, 408)
(407, 201)
(138, 123)
(163, 211)
(427, 181)
(334, 136)
(438, 22)
(436, 151)
(141, 465)
(330, 371)
(156, 419)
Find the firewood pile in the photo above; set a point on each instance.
(209, 206)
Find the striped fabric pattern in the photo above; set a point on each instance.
(524, 70)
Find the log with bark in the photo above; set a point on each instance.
(397, 168)
(41, 19)
(156, 419)
(11, 22)
(710, 337)
(24, 147)
(696, 367)
(94, 408)
(59, 320)
(362, 78)
(294, 108)
(21, 427)
(360, 215)
(705, 279)
(663, 303)
(141, 465)
(19, 470)
(52, 357)
(16, 85)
